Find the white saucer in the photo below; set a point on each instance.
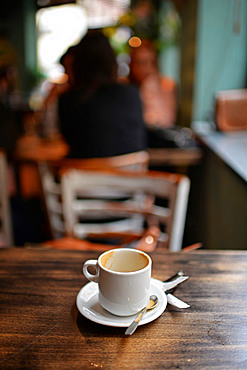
(88, 305)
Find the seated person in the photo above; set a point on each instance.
(158, 93)
(100, 117)
(48, 111)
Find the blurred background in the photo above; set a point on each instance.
(202, 43)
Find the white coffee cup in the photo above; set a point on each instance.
(124, 278)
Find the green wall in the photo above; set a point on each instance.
(18, 20)
(221, 52)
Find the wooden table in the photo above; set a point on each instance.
(41, 328)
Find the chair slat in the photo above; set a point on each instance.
(50, 172)
(166, 208)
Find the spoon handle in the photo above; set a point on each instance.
(130, 330)
(174, 301)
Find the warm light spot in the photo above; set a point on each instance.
(135, 42)
(62, 79)
(149, 239)
(96, 365)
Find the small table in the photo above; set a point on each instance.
(29, 150)
(41, 328)
(175, 156)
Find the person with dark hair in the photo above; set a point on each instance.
(66, 61)
(98, 116)
(94, 61)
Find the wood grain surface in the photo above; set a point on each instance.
(41, 328)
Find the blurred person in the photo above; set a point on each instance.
(9, 129)
(100, 117)
(158, 93)
(49, 108)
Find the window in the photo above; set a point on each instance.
(59, 27)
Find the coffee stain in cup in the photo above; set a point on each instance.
(127, 263)
(107, 260)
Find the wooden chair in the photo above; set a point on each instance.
(129, 205)
(6, 235)
(50, 171)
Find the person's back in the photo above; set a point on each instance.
(109, 123)
(100, 117)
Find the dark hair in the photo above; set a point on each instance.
(94, 62)
(69, 51)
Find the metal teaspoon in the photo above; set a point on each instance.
(151, 304)
(170, 297)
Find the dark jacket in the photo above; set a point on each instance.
(107, 123)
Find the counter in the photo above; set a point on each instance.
(230, 147)
(222, 190)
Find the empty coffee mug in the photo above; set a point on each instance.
(124, 279)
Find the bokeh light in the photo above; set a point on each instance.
(135, 42)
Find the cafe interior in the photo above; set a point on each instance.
(182, 199)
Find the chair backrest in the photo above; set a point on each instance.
(6, 236)
(135, 201)
(50, 172)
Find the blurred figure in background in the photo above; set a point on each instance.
(158, 93)
(9, 129)
(98, 116)
(49, 110)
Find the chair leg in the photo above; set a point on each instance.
(192, 247)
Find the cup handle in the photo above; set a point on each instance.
(91, 277)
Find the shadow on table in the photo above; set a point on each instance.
(90, 329)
